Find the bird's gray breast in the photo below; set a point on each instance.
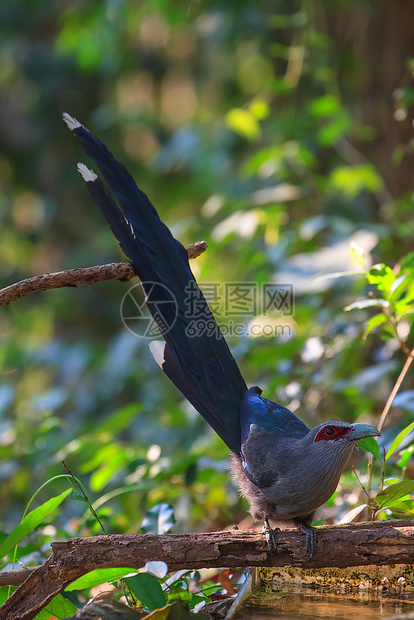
(295, 475)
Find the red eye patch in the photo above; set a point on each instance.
(332, 432)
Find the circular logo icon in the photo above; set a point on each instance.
(135, 307)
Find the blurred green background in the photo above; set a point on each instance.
(278, 132)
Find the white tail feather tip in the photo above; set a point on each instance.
(157, 350)
(71, 122)
(88, 175)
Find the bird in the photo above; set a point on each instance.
(285, 470)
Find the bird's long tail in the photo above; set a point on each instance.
(195, 355)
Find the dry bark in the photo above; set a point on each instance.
(378, 543)
(85, 275)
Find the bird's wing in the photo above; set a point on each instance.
(198, 361)
(264, 426)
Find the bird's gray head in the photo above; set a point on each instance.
(332, 442)
(323, 455)
(336, 433)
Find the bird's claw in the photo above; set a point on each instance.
(270, 536)
(310, 533)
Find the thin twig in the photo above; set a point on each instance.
(395, 389)
(354, 471)
(387, 407)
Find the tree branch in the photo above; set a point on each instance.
(17, 576)
(362, 544)
(86, 275)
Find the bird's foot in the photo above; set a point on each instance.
(310, 533)
(270, 536)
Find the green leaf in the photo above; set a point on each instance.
(370, 445)
(382, 277)
(399, 286)
(108, 469)
(333, 130)
(325, 106)
(97, 576)
(120, 420)
(77, 497)
(374, 322)
(394, 492)
(244, 123)
(405, 456)
(273, 154)
(147, 590)
(158, 520)
(402, 509)
(31, 521)
(398, 440)
(59, 607)
(260, 109)
(403, 309)
(352, 180)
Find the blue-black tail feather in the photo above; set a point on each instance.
(196, 357)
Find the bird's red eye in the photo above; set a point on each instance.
(332, 432)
